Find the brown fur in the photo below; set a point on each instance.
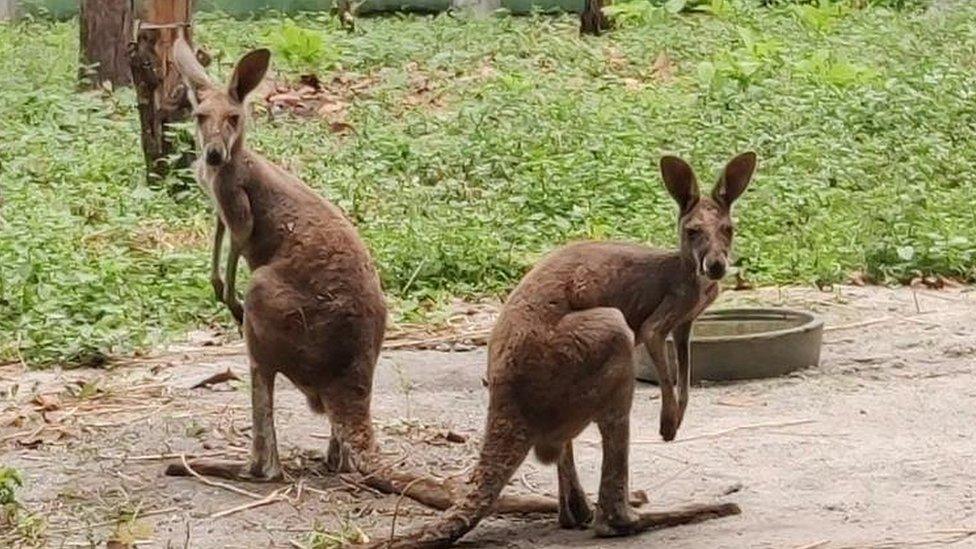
(314, 310)
(560, 357)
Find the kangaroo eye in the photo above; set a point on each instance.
(692, 233)
(201, 117)
(234, 120)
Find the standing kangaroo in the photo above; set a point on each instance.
(561, 357)
(314, 310)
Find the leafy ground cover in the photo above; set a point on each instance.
(463, 149)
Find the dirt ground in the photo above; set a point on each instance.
(874, 448)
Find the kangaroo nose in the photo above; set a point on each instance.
(214, 158)
(715, 269)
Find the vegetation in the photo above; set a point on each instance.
(478, 145)
(10, 481)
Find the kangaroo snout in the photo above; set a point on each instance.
(215, 156)
(714, 267)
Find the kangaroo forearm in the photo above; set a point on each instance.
(230, 287)
(218, 242)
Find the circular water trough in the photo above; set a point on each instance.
(734, 344)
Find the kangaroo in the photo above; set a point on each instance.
(314, 310)
(561, 357)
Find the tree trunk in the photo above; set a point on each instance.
(106, 29)
(160, 92)
(592, 19)
(8, 10)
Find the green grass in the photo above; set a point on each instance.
(865, 123)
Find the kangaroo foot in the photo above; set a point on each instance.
(631, 522)
(618, 523)
(670, 420)
(232, 470)
(339, 457)
(575, 512)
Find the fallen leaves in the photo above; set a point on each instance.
(422, 90)
(47, 402)
(636, 76)
(663, 69)
(312, 98)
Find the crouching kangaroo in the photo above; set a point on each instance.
(314, 310)
(560, 357)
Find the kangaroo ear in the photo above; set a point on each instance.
(680, 181)
(734, 179)
(193, 73)
(248, 73)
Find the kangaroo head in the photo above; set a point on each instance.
(705, 225)
(219, 111)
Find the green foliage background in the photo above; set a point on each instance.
(863, 119)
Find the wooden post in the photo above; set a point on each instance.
(592, 19)
(8, 10)
(106, 29)
(160, 92)
(344, 11)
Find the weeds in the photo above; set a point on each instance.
(16, 526)
(479, 145)
(10, 481)
(348, 533)
(301, 49)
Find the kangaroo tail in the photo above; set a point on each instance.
(502, 453)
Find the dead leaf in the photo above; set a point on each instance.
(632, 84)
(933, 282)
(663, 68)
(486, 70)
(638, 498)
(289, 98)
(741, 283)
(221, 377)
(732, 489)
(859, 278)
(306, 92)
(30, 443)
(341, 128)
(331, 107)
(451, 436)
(310, 80)
(615, 58)
(47, 402)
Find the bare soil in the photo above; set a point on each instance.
(874, 448)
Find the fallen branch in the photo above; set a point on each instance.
(274, 497)
(730, 430)
(477, 336)
(159, 457)
(26, 434)
(396, 509)
(112, 522)
(215, 483)
(861, 324)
